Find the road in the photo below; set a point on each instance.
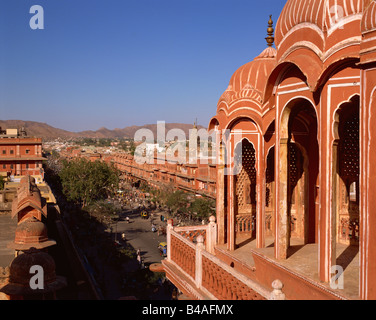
(138, 233)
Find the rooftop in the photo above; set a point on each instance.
(7, 230)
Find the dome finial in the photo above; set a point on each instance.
(195, 124)
(270, 38)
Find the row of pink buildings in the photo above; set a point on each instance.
(199, 178)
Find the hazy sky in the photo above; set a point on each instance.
(116, 63)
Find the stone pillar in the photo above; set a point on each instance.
(231, 203)
(281, 209)
(220, 196)
(200, 247)
(211, 235)
(367, 185)
(324, 238)
(335, 206)
(260, 207)
(168, 238)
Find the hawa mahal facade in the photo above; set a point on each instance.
(295, 218)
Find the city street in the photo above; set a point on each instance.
(139, 234)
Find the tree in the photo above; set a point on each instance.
(132, 147)
(84, 181)
(204, 208)
(178, 202)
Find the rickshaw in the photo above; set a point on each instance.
(144, 214)
(163, 248)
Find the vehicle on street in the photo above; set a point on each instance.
(163, 248)
(144, 214)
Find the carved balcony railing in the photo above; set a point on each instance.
(223, 284)
(183, 253)
(191, 251)
(245, 223)
(191, 233)
(348, 230)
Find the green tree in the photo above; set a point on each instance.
(84, 181)
(204, 208)
(132, 147)
(178, 202)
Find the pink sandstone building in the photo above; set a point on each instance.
(20, 155)
(298, 215)
(198, 178)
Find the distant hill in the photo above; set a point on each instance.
(45, 131)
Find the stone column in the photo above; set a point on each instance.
(325, 192)
(260, 209)
(335, 206)
(281, 209)
(168, 238)
(220, 196)
(211, 235)
(198, 268)
(231, 237)
(367, 185)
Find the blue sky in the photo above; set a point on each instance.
(116, 63)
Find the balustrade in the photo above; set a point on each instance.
(192, 235)
(183, 255)
(224, 285)
(187, 250)
(245, 223)
(349, 230)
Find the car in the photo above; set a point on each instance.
(163, 248)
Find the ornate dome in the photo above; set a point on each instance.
(250, 79)
(31, 233)
(318, 24)
(369, 18)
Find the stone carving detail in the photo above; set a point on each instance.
(246, 191)
(224, 285)
(183, 255)
(245, 223)
(192, 235)
(349, 150)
